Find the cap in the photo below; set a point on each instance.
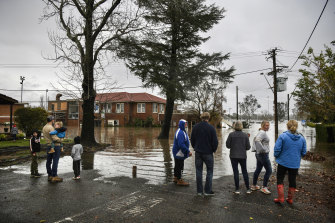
(50, 118)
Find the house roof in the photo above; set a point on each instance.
(5, 100)
(128, 97)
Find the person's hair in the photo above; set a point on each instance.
(60, 123)
(205, 116)
(292, 125)
(35, 130)
(238, 126)
(50, 118)
(263, 123)
(76, 140)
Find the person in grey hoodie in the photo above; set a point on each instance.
(76, 152)
(238, 143)
(261, 147)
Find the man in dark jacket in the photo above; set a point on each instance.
(205, 143)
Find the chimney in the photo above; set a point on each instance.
(58, 101)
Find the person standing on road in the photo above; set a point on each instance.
(52, 158)
(289, 148)
(238, 143)
(76, 152)
(180, 152)
(35, 147)
(205, 143)
(262, 149)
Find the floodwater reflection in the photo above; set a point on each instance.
(154, 160)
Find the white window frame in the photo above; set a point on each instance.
(140, 107)
(108, 108)
(119, 108)
(154, 105)
(161, 109)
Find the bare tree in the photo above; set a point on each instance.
(89, 33)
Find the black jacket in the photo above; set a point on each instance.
(203, 138)
(35, 145)
(238, 143)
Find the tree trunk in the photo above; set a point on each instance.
(167, 117)
(87, 132)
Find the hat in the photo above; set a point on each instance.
(205, 115)
(50, 118)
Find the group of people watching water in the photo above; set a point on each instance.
(288, 150)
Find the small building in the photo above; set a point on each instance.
(8, 106)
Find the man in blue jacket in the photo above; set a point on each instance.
(180, 152)
(205, 143)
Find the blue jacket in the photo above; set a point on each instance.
(59, 132)
(181, 142)
(203, 138)
(289, 149)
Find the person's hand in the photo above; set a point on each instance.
(34, 154)
(190, 153)
(248, 135)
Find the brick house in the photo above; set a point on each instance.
(124, 108)
(8, 106)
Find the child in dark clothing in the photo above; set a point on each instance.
(35, 147)
(60, 132)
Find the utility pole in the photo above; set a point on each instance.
(46, 99)
(236, 102)
(288, 107)
(22, 78)
(274, 71)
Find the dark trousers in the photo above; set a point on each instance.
(76, 168)
(34, 165)
(52, 158)
(262, 161)
(178, 168)
(243, 164)
(292, 174)
(208, 159)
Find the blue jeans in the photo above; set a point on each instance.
(243, 164)
(53, 158)
(208, 159)
(263, 161)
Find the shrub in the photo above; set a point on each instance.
(28, 119)
(3, 137)
(148, 122)
(138, 122)
(20, 136)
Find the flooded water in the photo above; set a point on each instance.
(154, 160)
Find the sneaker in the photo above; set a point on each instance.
(74, 178)
(237, 192)
(265, 190)
(78, 177)
(255, 187)
(209, 194)
(199, 194)
(56, 179)
(32, 175)
(52, 150)
(181, 182)
(248, 191)
(37, 175)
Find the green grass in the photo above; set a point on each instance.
(25, 142)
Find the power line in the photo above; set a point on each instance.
(58, 90)
(309, 36)
(249, 72)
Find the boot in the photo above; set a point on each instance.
(56, 179)
(290, 195)
(52, 150)
(175, 179)
(280, 189)
(49, 178)
(181, 182)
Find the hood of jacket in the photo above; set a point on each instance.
(294, 137)
(181, 124)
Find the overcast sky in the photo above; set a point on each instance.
(248, 31)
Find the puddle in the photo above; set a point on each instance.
(153, 158)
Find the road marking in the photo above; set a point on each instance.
(93, 209)
(138, 210)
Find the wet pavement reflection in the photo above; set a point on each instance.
(154, 160)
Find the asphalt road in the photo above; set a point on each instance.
(121, 199)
